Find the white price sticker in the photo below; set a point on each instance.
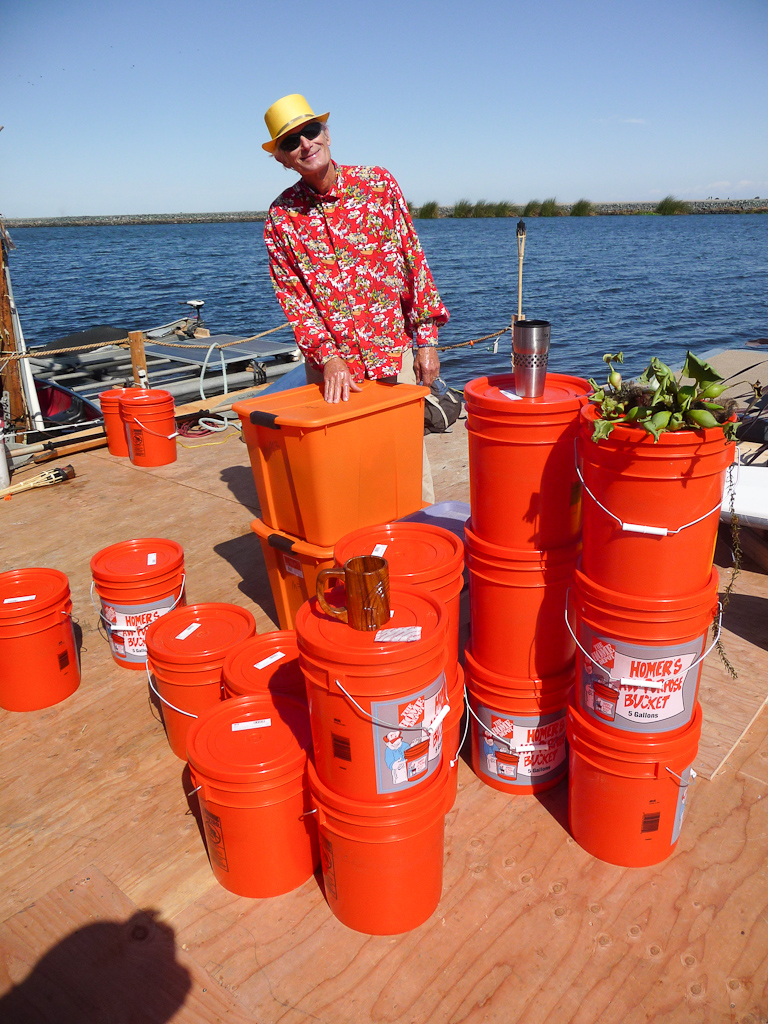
(379, 550)
(402, 634)
(511, 395)
(18, 600)
(270, 660)
(259, 723)
(152, 558)
(188, 631)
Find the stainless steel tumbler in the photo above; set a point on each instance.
(530, 343)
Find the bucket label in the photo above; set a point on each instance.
(405, 750)
(293, 566)
(152, 558)
(214, 838)
(136, 444)
(520, 750)
(379, 550)
(643, 689)
(259, 723)
(329, 869)
(127, 626)
(17, 600)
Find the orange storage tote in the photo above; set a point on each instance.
(293, 566)
(324, 469)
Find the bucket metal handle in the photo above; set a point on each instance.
(608, 675)
(466, 730)
(438, 720)
(502, 739)
(168, 437)
(683, 783)
(109, 624)
(162, 698)
(653, 531)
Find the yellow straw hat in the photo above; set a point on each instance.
(287, 115)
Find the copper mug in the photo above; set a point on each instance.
(366, 581)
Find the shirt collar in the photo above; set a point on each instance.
(332, 195)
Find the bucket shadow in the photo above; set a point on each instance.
(555, 802)
(747, 617)
(106, 971)
(245, 557)
(239, 480)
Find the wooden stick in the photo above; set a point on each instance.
(138, 358)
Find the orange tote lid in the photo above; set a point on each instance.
(250, 739)
(416, 552)
(265, 663)
(306, 408)
(23, 590)
(198, 631)
(133, 559)
(497, 394)
(330, 638)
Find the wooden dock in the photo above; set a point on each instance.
(109, 909)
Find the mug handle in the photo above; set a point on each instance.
(330, 609)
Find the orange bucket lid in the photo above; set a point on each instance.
(265, 663)
(25, 590)
(322, 635)
(561, 394)
(146, 397)
(416, 552)
(132, 560)
(198, 632)
(250, 739)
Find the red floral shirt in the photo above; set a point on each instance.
(350, 273)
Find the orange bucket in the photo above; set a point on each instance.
(627, 794)
(248, 762)
(639, 660)
(518, 729)
(419, 555)
(137, 581)
(517, 607)
(370, 701)
(39, 666)
(523, 487)
(382, 859)
(293, 566)
(150, 427)
(117, 442)
(185, 653)
(267, 663)
(648, 503)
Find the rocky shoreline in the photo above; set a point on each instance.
(605, 209)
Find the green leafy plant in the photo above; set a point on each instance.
(658, 401)
(463, 208)
(582, 208)
(532, 208)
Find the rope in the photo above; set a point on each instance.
(474, 341)
(125, 343)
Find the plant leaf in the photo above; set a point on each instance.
(700, 371)
(601, 430)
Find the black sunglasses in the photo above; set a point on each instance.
(309, 131)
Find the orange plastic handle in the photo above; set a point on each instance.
(330, 609)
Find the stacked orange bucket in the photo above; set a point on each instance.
(521, 551)
(644, 598)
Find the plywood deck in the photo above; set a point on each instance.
(110, 913)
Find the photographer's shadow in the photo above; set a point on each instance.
(104, 973)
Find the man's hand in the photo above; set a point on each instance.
(338, 381)
(426, 365)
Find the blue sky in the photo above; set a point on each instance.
(114, 107)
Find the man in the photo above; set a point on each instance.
(346, 263)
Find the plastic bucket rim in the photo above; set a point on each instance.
(448, 569)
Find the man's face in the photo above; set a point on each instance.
(311, 156)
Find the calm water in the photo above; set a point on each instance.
(646, 285)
